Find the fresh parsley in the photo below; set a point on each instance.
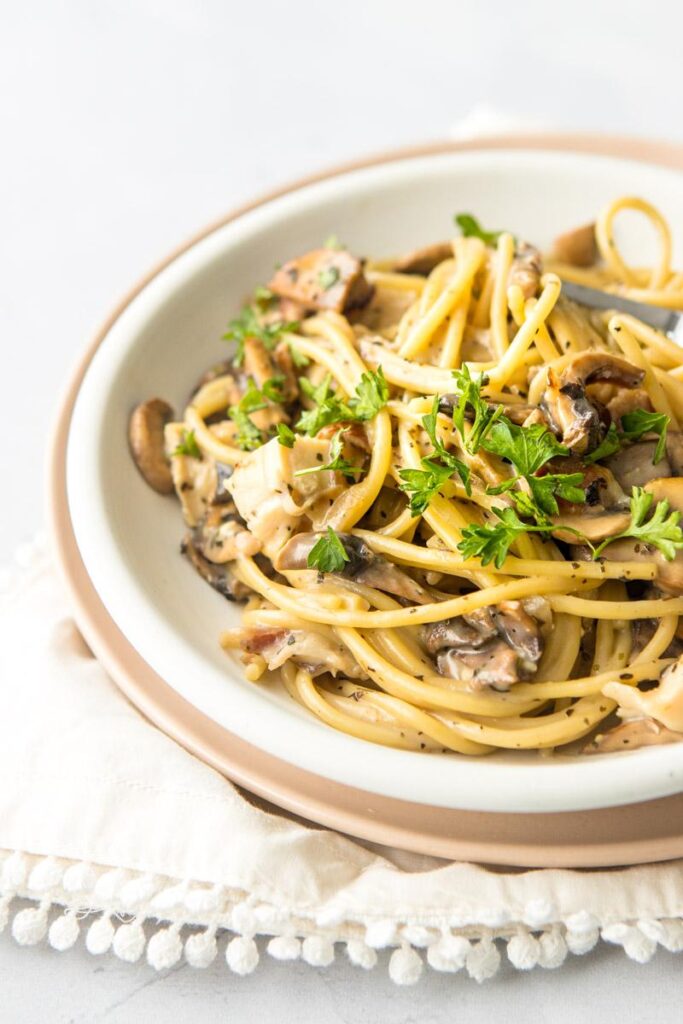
(272, 389)
(328, 554)
(249, 436)
(298, 358)
(635, 424)
(371, 395)
(491, 543)
(188, 445)
(661, 530)
(285, 435)
(337, 462)
(468, 389)
(248, 325)
(332, 242)
(610, 444)
(422, 484)
(471, 228)
(328, 277)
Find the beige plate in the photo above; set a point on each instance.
(636, 833)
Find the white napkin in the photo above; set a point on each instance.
(113, 829)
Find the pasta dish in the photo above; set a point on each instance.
(447, 496)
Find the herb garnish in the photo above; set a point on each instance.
(371, 395)
(249, 436)
(188, 445)
(468, 388)
(328, 277)
(337, 462)
(640, 422)
(491, 543)
(661, 530)
(285, 435)
(248, 325)
(328, 554)
(437, 467)
(471, 228)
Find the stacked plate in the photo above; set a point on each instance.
(154, 623)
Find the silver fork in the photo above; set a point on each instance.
(670, 321)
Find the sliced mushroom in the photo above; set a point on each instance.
(664, 703)
(423, 260)
(363, 566)
(526, 269)
(634, 466)
(618, 400)
(596, 526)
(323, 279)
(640, 732)
(577, 247)
(315, 651)
(671, 490)
(669, 576)
(220, 577)
(644, 629)
(221, 369)
(494, 647)
(222, 537)
(570, 412)
(674, 451)
(146, 439)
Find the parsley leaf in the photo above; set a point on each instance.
(527, 448)
(471, 228)
(491, 543)
(546, 490)
(249, 436)
(298, 358)
(661, 530)
(608, 446)
(285, 435)
(332, 242)
(328, 277)
(328, 554)
(188, 445)
(468, 388)
(248, 325)
(337, 462)
(423, 484)
(372, 394)
(640, 422)
(455, 465)
(272, 388)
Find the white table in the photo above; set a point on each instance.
(124, 127)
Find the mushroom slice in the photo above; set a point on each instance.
(669, 576)
(664, 703)
(577, 247)
(639, 732)
(595, 526)
(674, 452)
(221, 536)
(364, 566)
(146, 439)
(315, 651)
(220, 577)
(526, 269)
(494, 646)
(634, 466)
(569, 409)
(667, 489)
(423, 260)
(323, 279)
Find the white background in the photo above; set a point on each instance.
(126, 125)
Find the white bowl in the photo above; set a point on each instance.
(129, 536)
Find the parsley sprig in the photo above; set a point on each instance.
(249, 436)
(471, 228)
(468, 389)
(248, 325)
(188, 445)
(640, 422)
(337, 461)
(328, 554)
(371, 395)
(491, 543)
(437, 467)
(661, 530)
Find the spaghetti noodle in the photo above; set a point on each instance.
(447, 496)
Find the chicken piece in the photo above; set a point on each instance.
(317, 652)
(664, 703)
(493, 647)
(363, 566)
(639, 732)
(577, 247)
(195, 480)
(323, 279)
(422, 261)
(271, 498)
(526, 270)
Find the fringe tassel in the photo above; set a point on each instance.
(163, 919)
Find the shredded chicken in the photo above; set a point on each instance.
(664, 703)
(314, 651)
(323, 279)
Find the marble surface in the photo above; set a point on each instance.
(125, 126)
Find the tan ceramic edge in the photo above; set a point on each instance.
(639, 833)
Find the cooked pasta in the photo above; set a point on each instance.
(447, 496)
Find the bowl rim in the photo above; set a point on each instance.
(658, 153)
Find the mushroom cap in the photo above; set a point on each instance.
(577, 247)
(667, 489)
(146, 440)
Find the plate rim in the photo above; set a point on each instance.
(650, 152)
